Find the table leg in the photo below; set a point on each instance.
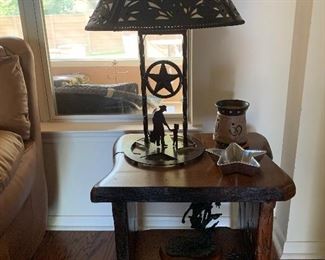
(257, 220)
(264, 231)
(124, 215)
(248, 221)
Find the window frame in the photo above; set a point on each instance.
(34, 31)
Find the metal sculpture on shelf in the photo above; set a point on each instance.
(163, 17)
(202, 215)
(201, 244)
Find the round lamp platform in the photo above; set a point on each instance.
(137, 151)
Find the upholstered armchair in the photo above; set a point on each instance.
(23, 192)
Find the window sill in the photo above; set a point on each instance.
(61, 63)
(56, 127)
(118, 128)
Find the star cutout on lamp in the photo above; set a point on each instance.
(164, 79)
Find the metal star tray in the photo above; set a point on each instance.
(235, 159)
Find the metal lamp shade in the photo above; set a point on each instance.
(162, 15)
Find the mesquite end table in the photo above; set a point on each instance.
(198, 181)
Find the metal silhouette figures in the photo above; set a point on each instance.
(175, 135)
(159, 121)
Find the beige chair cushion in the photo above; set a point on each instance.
(13, 97)
(11, 151)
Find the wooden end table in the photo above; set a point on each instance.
(199, 181)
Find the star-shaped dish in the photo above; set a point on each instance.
(163, 79)
(235, 159)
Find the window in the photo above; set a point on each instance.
(89, 73)
(10, 24)
(98, 72)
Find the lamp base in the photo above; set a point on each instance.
(137, 151)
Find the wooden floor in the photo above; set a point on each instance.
(79, 245)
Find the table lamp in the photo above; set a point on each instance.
(163, 17)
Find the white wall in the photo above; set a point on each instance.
(306, 232)
(300, 42)
(250, 62)
(75, 162)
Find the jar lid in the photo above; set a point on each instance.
(232, 107)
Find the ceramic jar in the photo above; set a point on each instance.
(231, 122)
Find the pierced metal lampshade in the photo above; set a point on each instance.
(162, 15)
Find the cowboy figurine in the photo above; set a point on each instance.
(159, 121)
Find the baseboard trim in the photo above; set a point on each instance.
(162, 222)
(302, 256)
(304, 250)
(105, 223)
(80, 223)
(295, 249)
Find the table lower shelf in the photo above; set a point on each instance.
(231, 241)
